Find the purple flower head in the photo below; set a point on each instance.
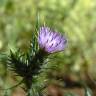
(51, 41)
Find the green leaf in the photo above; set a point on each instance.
(37, 21)
(3, 57)
(88, 92)
(34, 91)
(17, 63)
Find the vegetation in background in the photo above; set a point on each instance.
(74, 18)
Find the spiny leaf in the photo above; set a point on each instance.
(16, 63)
(33, 46)
(34, 91)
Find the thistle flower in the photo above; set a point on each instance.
(51, 41)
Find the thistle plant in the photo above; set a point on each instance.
(29, 65)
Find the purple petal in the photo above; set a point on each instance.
(51, 41)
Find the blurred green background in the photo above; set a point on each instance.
(76, 19)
